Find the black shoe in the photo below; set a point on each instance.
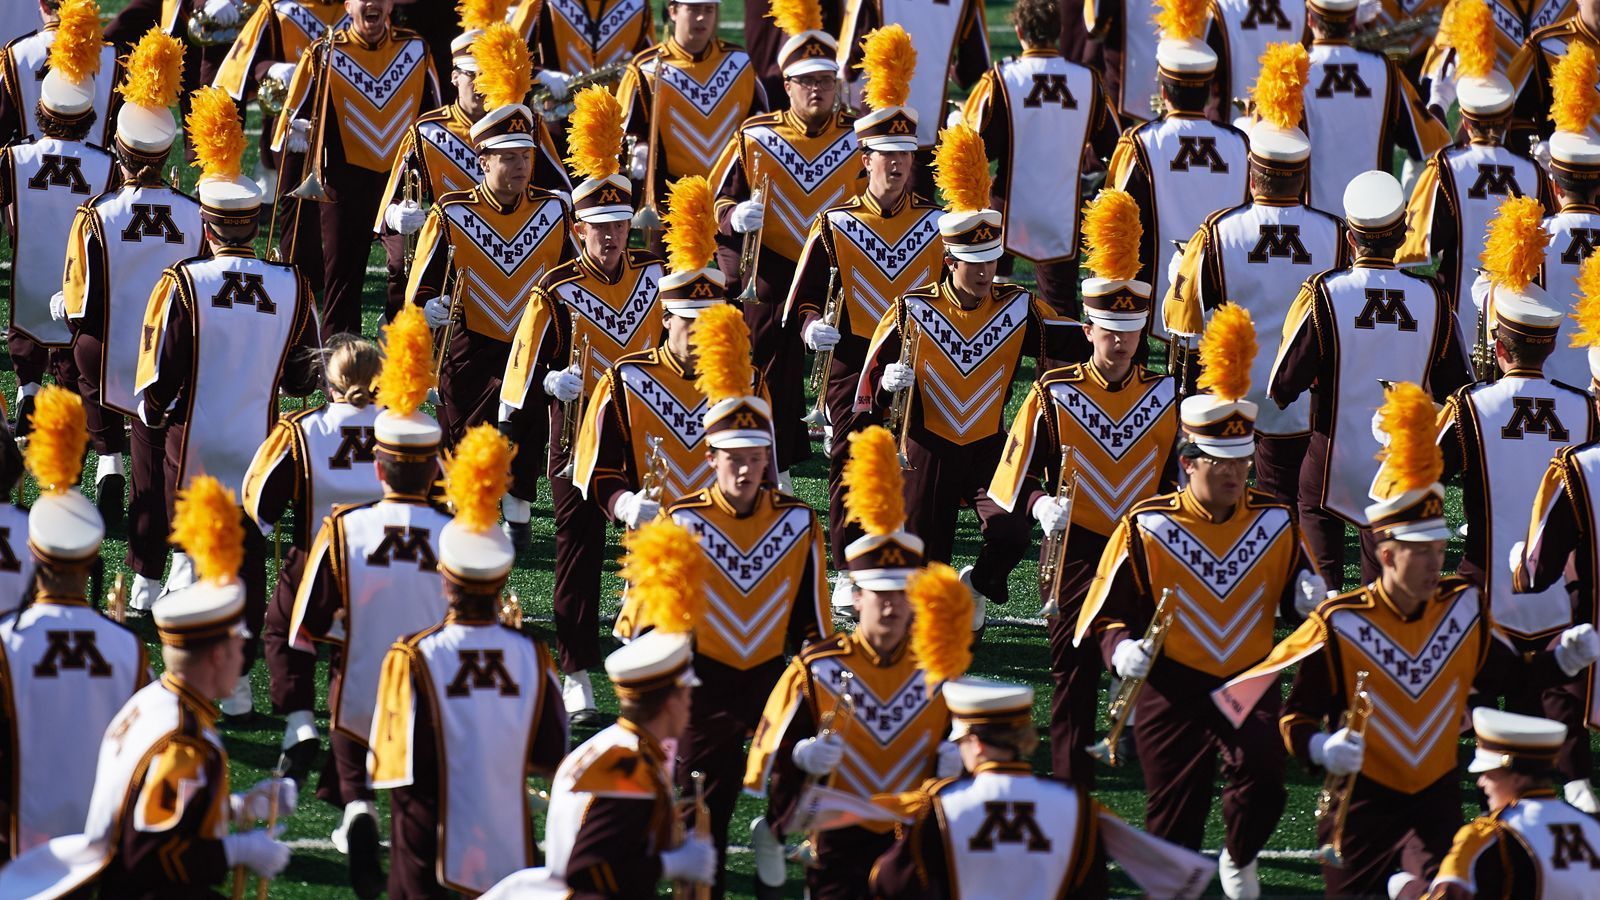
(24, 417)
(366, 869)
(521, 534)
(584, 718)
(108, 497)
(297, 761)
(767, 891)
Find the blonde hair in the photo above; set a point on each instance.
(351, 364)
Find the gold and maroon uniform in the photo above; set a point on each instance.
(1529, 72)
(580, 36)
(278, 31)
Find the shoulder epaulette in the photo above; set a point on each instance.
(834, 646)
(766, 118)
(639, 358)
(1158, 503)
(641, 258)
(437, 114)
(698, 499)
(1067, 374)
(457, 197)
(781, 500)
(1256, 499)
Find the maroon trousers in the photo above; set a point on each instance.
(1324, 531)
(1277, 465)
(344, 774)
(107, 427)
(1387, 831)
(33, 361)
(941, 479)
(330, 243)
(149, 521)
(845, 421)
(292, 673)
(844, 861)
(580, 554)
(469, 382)
(1075, 671)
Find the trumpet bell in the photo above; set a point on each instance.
(748, 295)
(815, 418)
(1328, 856)
(311, 189)
(1104, 751)
(647, 219)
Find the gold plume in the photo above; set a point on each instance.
(155, 71)
(75, 52)
(961, 169)
(1279, 90)
(1574, 101)
(215, 133)
(1181, 20)
(1514, 250)
(55, 446)
(505, 70)
(720, 341)
(476, 475)
(691, 223)
(1587, 310)
(794, 16)
(594, 133)
(1412, 459)
(407, 372)
(206, 523)
(1111, 235)
(1227, 351)
(941, 623)
(476, 15)
(874, 488)
(889, 61)
(1468, 28)
(666, 572)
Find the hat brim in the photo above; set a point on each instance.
(811, 66)
(1242, 448)
(1117, 324)
(896, 144)
(508, 142)
(604, 214)
(738, 440)
(1421, 533)
(1486, 761)
(882, 579)
(975, 256)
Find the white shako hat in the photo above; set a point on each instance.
(1527, 313)
(1218, 422)
(886, 555)
(475, 17)
(153, 79)
(975, 702)
(1415, 515)
(207, 525)
(735, 416)
(1117, 305)
(1334, 9)
(504, 128)
(1373, 202)
(203, 611)
(807, 48)
(1221, 428)
(594, 143)
(63, 526)
(654, 660)
(1485, 97)
(474, 553)
(1512, 741)
(461, 51)
(402, 429)
(607, 199)
(1575, 154)
(1409, 498)
(1186, 59)
(504, 77)
(1271, 144)
(888, 61)
(971, 230)
(1112, 297)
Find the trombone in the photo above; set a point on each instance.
(829, 723)
(1053, 549)
(684, 890)
(824, 359)
(648, 218)
(312, 187)
(570, 410)
(1122, 705)
(511, 609)
(117, 599)
(899, 419)
(412, 193)
(750, 253)
(1334, 797)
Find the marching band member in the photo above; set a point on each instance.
(1420, 643)
(222, 335)
(505, 234)
(959, 341)
(1222, 615)
(1359, 107)
(1259, 252)
(582, 37)
(1128, 52)
(159, 815)
(642, 440)
(85, 59)
(65, 669)
(1464, 183)
(889, 736)
(370, 579)
(1240, 33)
(446, 689)
(1513, 26)
(16, 560)
(753, 609)
(1574, 169)
(1347, 329)
(1534, 65)
(1180, 167)
(119, 244)
(712, 86)
(1032, 112)
(608, 301)
(346, 114)
(44, 177)
(1531, 844)
(1121, 422)
(802, 161)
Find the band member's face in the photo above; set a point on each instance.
(507, 171)
(1215, 481)
(975, 278)
(1413, 566)
(811, 96)
(678, 328)
(739, 471)
(370, 17)
(228, 657)
(693, 24)
(888, 171)
(467, 93)
(885, 617)
(603, 242)
(1113, 350)
(1501, 787)
(1590, 11)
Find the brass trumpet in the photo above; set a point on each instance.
(648, 218)
(1483, 363)
(824, 359)
(899, 419)
(552, 110)
(654, 480)
(117, 599)
(1334, 798)
(750, 253)
(829, 723)
(1053, 549)
(451, 281)
(205, 31)
(572, 409)
(411, 192)
(511, 609)
(272, 94)
(1394, 39)
(312, 187)
(684, 890)
(262, 883)
(1122, 705)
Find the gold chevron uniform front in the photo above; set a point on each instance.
(439, 148)
(367, 85)
(761, 562)
(706, 98)
(588, 34)
(299, 23)
(967, 358)
(1122, 438)
(500, 253)
(891, 739)
(880, 254)
(809, 173)
(1227, 578)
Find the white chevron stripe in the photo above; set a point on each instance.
(745, 632)
(717, 132)
(871, 299)
(1221, 637)
(1413, 745)
(1115, 498)
(508, 253)
(382, 139)
(792, 218)
(866, 780)
(962, 415)
(504, 311)
(890, 259)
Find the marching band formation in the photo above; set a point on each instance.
(1338, 254)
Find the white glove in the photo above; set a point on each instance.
(563, 384)
(555, 81)
(1340, 753)
(1541, 153)
(639, 165)
(1368, 11)
(747, 216)
(695, 860)
(634, 508)
(255, 805)
(1050, 515)
(222, 12)
(820, 336)
(405, 217)
(819, 756)
(953, 118)
(1577, 649)
(437, 311)
(1173, 265)
(1481, 286)
(281, 71)
(1442, 91)
(1132, 659)
(898, 377)
(299, 139)
(58, 306)
(947, 761)
(257, 851)
(1397, 884)
(1310, 589)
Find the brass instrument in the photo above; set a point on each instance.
(829, 723)
(684, 890)
(262, 883)
(1334, 797)
(654, 480)
(572, 409)
(1483, 363)
(273, 95)
(411, 192)
(648, 218)
(750, 253)
(511, 609)
(824, 359)
(1394, 39)
(450, 280)
(1053, 549)
(552, 110)
(117, 599)
(312, 187)
(205, 31)
(1122, 705)
(899, 419)
(1178, 363)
